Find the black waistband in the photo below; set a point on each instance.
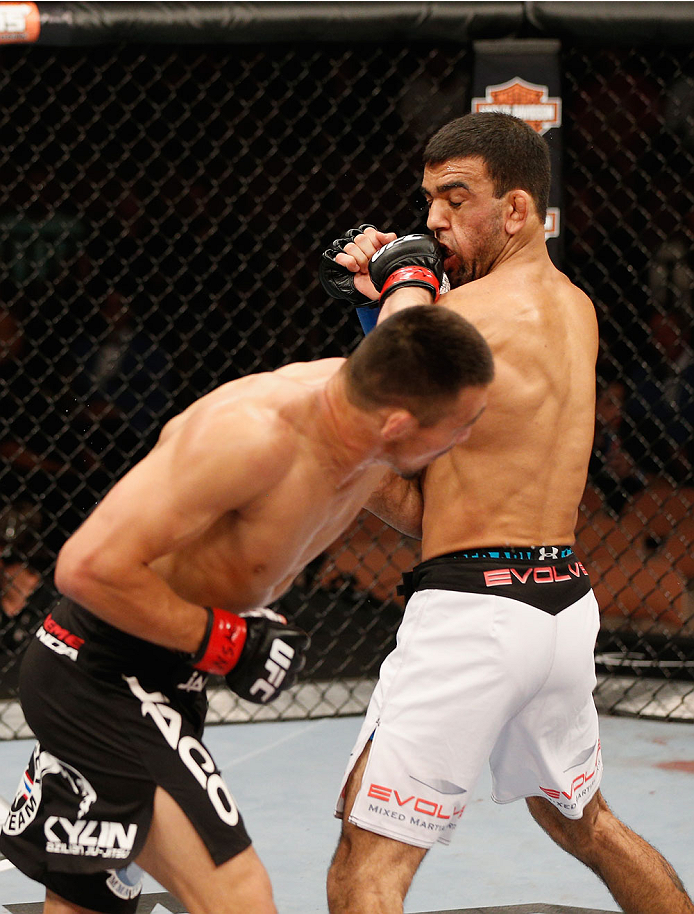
(550, 578)
(505, 553)
(106, 648)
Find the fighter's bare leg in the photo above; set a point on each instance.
(174, 854)
(176, 857)
(640, 879)
(369, 872)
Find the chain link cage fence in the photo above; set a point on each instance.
(163, 211)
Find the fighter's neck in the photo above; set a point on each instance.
(527, 247)
(347, 437)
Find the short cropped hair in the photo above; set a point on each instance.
(514, 154)
(418, 359)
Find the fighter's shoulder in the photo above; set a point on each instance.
(478, 302)
(497, 296)
(228, 429)
(311, 374)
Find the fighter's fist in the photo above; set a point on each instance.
(257, 652)
(336, 279)
(412, 260)
(344, 267)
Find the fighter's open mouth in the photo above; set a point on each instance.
(449, 258)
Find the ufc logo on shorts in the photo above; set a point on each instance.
(277, 665)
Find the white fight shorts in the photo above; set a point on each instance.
(493, 662)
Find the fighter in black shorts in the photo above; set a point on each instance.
(241, 491)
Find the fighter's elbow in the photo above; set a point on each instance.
(411, 520)
(414, 530)
(76, 571)
(66, 571)
(409, 525)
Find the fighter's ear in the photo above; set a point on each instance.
(519, 206)
(398, 424)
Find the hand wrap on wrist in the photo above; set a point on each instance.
(222, 643)
(411, 276)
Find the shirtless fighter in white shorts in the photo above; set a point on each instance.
(512, 633)
(494, 659)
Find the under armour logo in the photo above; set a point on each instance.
(548, 552)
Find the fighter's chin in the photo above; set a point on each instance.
(450, 264)
(456, 271)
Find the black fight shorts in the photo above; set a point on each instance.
(114, 717)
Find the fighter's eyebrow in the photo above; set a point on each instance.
(444, 188)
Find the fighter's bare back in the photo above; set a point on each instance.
(519, 478)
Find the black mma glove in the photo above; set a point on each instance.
(257, 652)
(338, 281)
(412, 260)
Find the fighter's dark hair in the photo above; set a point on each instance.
(418, 359)
(514, 154)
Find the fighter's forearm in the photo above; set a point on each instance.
(130, 597)
(399, 503)
(404, 298)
